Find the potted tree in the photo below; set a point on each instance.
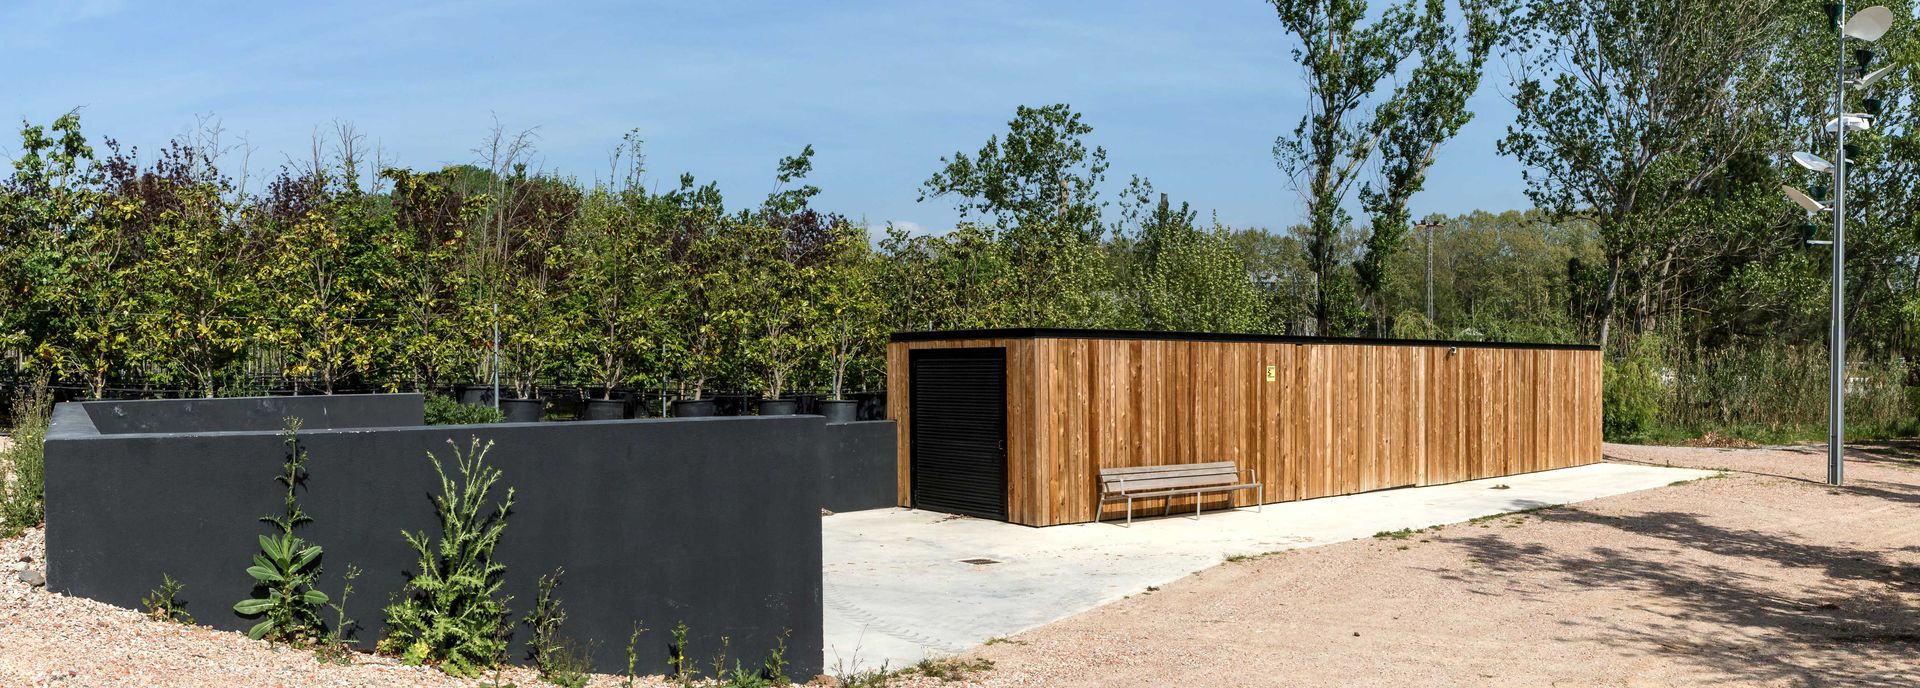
(701, 296)
(778, 323)
(850, 305)
(528, 226)
(613, 289)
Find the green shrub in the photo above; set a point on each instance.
(442, 410)
(449, 613)
(286, 566)
(1631, 393)
(23, 464)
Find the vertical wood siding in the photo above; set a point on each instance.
(1337, 419)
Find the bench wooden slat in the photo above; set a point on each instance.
(1188, 482)
(1183, 493)
(1129, 470)
(1169, 474)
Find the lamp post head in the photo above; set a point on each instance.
(1869, 24)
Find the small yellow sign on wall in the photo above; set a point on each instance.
(1270, 374)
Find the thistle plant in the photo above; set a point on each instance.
(286, 566)
(450, 613)
(164, 603)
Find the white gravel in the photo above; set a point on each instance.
(48, 639)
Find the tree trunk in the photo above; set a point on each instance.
(1606, 302)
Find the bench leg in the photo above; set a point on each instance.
(1261, 493)
(1129, 512)
(1196, 506)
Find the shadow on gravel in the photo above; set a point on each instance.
(1894, 453)
(1831, 634)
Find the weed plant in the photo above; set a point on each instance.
(286, 567)
(559, 659)
(164, 603)
(450, 613)
(23, 464)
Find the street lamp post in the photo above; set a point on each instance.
(1430, 226)
(1869, 25)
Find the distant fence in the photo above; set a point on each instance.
(711, 522)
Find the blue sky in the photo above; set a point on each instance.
(1190, 94)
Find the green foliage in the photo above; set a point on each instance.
(683, 671)
(1662, 103)
(633, 657)
(286, 566)
(450, 613)
(445, 410)
(336, 648)
(1041, 174)
(164, 603)
(559, 659)
(1630, 403)
(23, 464)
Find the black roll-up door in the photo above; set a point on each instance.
(958, 421)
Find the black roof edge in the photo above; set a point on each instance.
(1070, 333)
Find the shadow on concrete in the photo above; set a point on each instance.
(1828, 630)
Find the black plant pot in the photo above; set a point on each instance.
(809, 403)
(778, 407)
(693, 408)
(604, 409)
(523, 410)
(477, 396)
(840, 410)
(730, 404)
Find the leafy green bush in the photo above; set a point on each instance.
(23, 464)
(1632, 392)
(442, 410)
(286, 566)
(450, 614)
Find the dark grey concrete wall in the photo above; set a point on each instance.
(858, 468)
(257, 413)
(711, 522)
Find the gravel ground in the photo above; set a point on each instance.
(1765, 577)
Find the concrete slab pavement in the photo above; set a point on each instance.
(898, 589)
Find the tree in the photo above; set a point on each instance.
(430, 339)
(334, 287)
(1043, 174)
(1626, 107)
(786, 244)
(958, 280)
(1180, 277)
(1040, 187)
(1343, 62)
(1427, 112)
(851, 308)
(705, 301)
(198, 281)
(617, 273)
(68, 247)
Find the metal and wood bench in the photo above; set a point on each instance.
(1179, 480)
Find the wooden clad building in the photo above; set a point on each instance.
(1015, 425)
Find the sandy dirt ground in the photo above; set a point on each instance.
(1765, 577)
